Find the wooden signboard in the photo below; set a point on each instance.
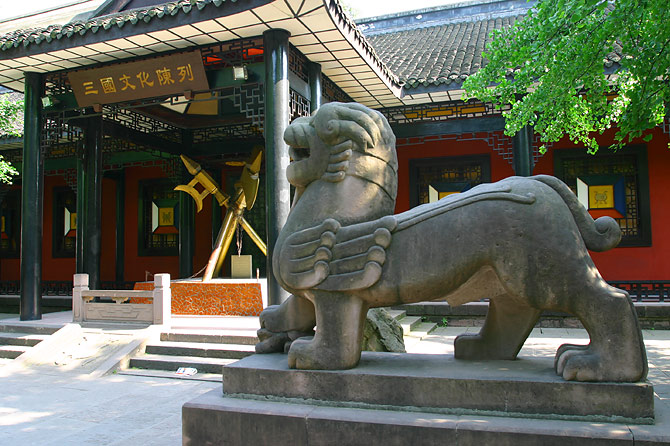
(160, 76)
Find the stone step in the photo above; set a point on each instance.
(36, 329)
(244, 337)
(172, 363)
(26, 339)
(212, 377)
(408, 323)
(12, 351)
(201, 349)
(397, 314)
(421, 329)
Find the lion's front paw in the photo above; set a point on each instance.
(271, 342)
(301, 355)
(271, 318)
(309, 354)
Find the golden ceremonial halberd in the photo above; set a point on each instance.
(246, 191)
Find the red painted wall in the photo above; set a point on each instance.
(203, 233)
(433, 147)
(135, 265)
(53, 268)
(10, 268)
(633, 263)
(108, 247)
(629, 263)
(59, 268)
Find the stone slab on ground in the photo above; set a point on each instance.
(213, 418)
(440, 383)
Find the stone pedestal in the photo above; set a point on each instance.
(413, 399)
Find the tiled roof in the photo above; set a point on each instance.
(319, 29)
(444, 55)
(35, 36)
(346, 23)
(437, 55)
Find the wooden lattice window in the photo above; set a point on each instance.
(158, 233)
(613, 184)
(434, 178)
(10, 224)
(64, 222)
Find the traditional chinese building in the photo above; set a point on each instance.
(115, 94)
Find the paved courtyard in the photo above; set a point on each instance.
(49, 406)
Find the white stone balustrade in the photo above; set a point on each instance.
(157, 312)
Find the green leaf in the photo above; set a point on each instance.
(549, 68)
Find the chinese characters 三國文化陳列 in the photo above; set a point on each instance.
(164, 76)
(185, 73)
(88, 88)
(143, 76)
(107, 85)
(126, 83)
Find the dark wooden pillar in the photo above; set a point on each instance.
(32, 190)
(522, 144)
(314, 74)
(81, 212)
(120, 254)
(92, 240)
(186, 234)
(278, 191)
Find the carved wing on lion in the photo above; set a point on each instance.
(333, 257)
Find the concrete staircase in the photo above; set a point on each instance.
(204, 350)
(207, 350)
(17, 339)
(413, 326)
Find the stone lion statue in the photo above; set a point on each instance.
(521, 242)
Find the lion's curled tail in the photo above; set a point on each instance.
(599, 235)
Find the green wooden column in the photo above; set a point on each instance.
(92, 244)
(81, 212)
(186, 234)
(32, 190)
(278, 191)
(120, 249)
(314, 75)
(522, 145)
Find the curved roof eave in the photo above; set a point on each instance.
(319, 29)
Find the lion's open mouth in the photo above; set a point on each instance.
(297, 136)
(298, 153)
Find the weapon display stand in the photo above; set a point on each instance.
(209, 295)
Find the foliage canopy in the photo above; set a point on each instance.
(574, 67)
(9, 113)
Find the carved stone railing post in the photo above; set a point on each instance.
(123, 308)
(162, 299)
(80, 284)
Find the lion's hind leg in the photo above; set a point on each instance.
(616, 351)
(505, 329)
